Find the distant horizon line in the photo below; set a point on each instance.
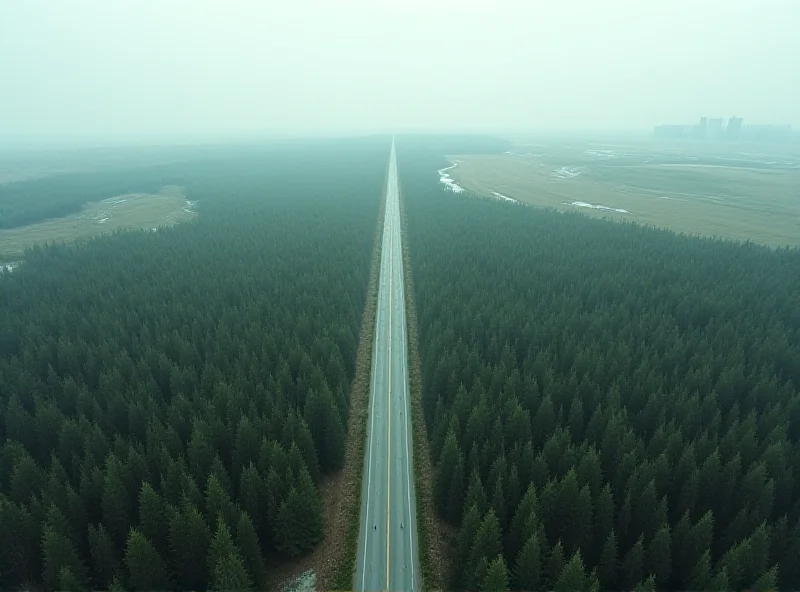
(177, 138)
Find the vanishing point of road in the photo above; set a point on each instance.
(387, 556)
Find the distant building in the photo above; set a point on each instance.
(700, 129)
(714, 128)
(734, 128)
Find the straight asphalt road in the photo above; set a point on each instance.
(387, 556)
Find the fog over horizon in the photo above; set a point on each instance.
(99, 69)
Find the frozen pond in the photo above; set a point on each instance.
(583, 204)
(445, 179)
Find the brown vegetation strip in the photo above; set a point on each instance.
(432, 534)
(341, 532)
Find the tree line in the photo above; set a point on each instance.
(170, 400)
(609, 405)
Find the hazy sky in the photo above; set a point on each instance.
(149, 67)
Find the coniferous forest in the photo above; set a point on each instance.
(169, 400)
(608, 405)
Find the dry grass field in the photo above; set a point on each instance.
(167, 207)
(731, 191)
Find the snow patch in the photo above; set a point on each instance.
(567, 172)
(8, 267)
(102, 220)
(504, 197)
(607, 154)
(445, 179)
(583, 204)
(305, 582)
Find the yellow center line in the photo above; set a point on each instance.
(389, 407)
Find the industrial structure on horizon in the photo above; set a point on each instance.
(716, 129)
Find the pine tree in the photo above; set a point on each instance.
(298, 526)
(499, 503)
(572, 576)
(475, 493)
(701, 576)
(758, 554)
(251, 501)
(603, 516)
(218, 502)
(229, 572)
(496, 579)
(719, 582)
(554, 565)
(632, 567)
(189, 538)
(325, 424)
(476, 576)
(608, 567)
(528, 567)
(657, 561)
(68, 581)
(445, 468)
(230, 575)
(116, 502)
(153, 518)
(523, 523)
(247, 542)
(470, 525)
(105, 556)
(576, 420)
(487, 540)
(59, 552)
(768, 581)
(19, 563)
(646, 585)
(146, 568)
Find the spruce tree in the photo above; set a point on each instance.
(228, 571)
(247, 542)
(768, 581)
(632, 567)
(524, 517)
(496, 579)
(146, 568)
(154, 518)
(488, 542)
(59, 552)
(189, 538)
(554, 565)
(608, 566)
(701, 575)
(528, 567)
(470, 525)
(572, 576)
(657, 560)
(298, 526)
(104, 554)
(646, 585)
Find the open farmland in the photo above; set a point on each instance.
(735, 191)
(167, 207)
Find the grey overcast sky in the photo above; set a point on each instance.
(166, 67)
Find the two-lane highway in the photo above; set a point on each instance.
(387, 548)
